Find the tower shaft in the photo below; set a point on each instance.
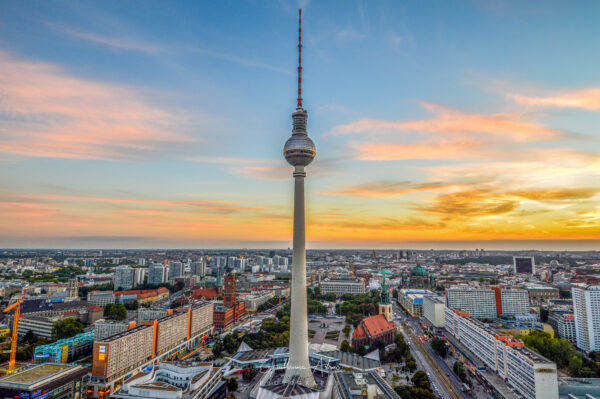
(298, 364)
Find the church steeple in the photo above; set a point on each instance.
(385, 306)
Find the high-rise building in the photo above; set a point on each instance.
(139, 275)
(198, 268)
(299, 151)
(586, 309)
(124, 278)
(175, 269)
(157, 273)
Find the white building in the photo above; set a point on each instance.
(434, 310)
(566, 327)
(412, 300)
(173, 380)
(479, 302)
(514, 302)
(139, 275)
(100, 298)
(343, 286)
(531, 374)
(586, 309)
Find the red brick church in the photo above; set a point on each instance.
(374, 329)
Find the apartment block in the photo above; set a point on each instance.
(118, 355)
(531, 374)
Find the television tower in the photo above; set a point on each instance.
(299, 151)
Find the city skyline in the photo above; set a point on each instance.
(162, 127)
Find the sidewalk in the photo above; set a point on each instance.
(492, 378)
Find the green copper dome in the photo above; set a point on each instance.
(418, 271)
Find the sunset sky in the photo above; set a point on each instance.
(161, 124)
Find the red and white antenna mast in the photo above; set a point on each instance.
(299, 58)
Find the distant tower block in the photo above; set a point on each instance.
(299, 151)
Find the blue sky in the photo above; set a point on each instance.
(162, 123)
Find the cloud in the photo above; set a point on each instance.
(350, 34)
(114, 42)
(588, 99)
(380, 188)
(426, 150)
(452, 123)
(48, 113)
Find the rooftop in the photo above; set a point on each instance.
(36, 374)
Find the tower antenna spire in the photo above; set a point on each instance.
(299, 58)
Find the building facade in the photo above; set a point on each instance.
(434, 310)
(586, 309)
(343, 286)
(532, 375)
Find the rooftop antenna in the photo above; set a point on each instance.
(299, 59)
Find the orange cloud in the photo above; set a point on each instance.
(385, 187)
(585, 99)
(56, 115)
(424, 150)
(451, 123)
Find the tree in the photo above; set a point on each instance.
(361, 350)
(346, 330)
(67, 328)
(249, 373)
(459, 370)
(132, 305)
(345, 346)
(115, 311)
(232, 384)
(29, 337)
(420, 380)
(439, 346)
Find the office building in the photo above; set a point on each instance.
(412, 300)
(434, 310)
(65, 350)
(530, 374)
(523, 265)
(539, 294)
(38, 325)
(48, 380)
(364, 385)
(124, 278)
(341, 286)
(157, 273)
(586, 309)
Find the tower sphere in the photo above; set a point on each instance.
(299, 150)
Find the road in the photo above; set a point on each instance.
(437, 370)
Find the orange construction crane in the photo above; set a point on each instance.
(13, 345)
